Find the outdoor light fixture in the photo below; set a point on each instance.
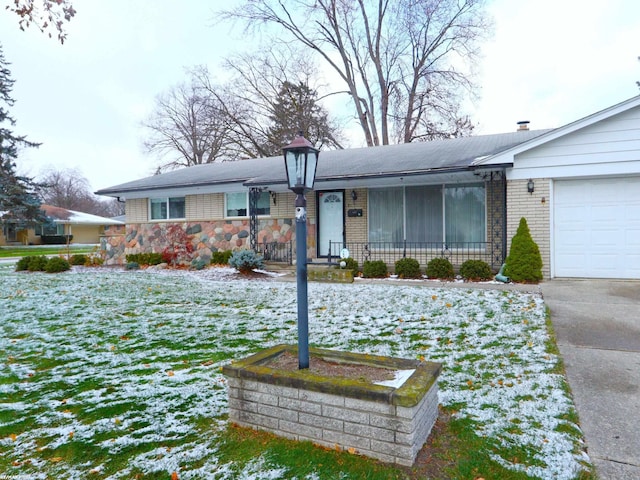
(301, 162)
(530, 186)
(354, 195)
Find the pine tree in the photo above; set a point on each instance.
(296, 108)
(524, 263)
(19, 203)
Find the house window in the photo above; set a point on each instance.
(237, 204)
(428, 213)
(50, 229)
(167, 208)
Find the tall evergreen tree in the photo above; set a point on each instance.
(19, 203)
(294, 109)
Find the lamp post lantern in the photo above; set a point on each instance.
(301, 161)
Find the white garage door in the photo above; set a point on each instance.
(597, 228)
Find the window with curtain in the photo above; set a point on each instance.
(385, 215)
(424, 213)
(166, 208)
(465, 217)
(428, 213)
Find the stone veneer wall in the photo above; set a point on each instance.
(207, 237)
(535, 208)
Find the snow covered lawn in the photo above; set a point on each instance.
(127, 365)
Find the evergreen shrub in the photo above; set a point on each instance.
(23, 264)
(37, 263)
(56, 264)
(408, 268)
(374, 269)
(440, 268)
(245, 261)
(198, 264)
(524, 263)
(79, 259)
(221, 257)
(145, 258)
(476, 270)
(351, 264)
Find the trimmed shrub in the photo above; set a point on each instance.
(524, 263)
(145, 258)
(221, 257)
(476, 270)
(23, 264)
(351, 264)
(440, 268)
(56, 264)
(245, 261)
(374, 269)
(408, 268)
(78, 259)
(37, 263)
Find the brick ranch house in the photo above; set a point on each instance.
(578, 186)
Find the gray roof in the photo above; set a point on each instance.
(437, 156)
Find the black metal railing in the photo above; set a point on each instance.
(279, 252)
(390, 252)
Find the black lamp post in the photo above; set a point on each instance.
(301, 161)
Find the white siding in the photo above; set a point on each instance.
(609, 147)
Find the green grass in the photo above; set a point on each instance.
(27, 251)
(117, 374)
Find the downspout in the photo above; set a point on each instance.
(504, 214)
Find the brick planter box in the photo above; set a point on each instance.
(387, 423)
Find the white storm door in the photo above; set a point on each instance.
(330, 222)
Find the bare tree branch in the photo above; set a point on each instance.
(394, 57)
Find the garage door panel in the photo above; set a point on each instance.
(597, 228)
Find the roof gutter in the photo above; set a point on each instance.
(114, 191)
(366, 176)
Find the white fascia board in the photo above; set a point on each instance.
(184, 191)
(575, 171)
(508, 156)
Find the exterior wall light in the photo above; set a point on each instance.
(301, 162)
(530, 186)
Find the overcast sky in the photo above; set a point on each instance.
(550, 62)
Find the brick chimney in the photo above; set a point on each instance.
(523, 125)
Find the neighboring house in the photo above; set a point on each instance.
(460, 198)
(77, 227)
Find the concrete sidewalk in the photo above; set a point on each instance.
(597, 323)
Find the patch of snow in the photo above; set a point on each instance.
(149, 345)
(400, 376)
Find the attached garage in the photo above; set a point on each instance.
(596, 228)
(578, 187)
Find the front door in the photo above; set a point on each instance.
(330, 222)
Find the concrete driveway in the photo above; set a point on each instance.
(597, 323)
